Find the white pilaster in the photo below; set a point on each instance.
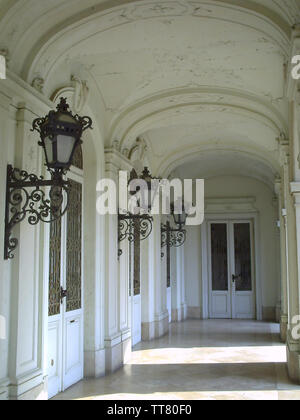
(113, 336)
(183, 294)
(177, 288)
(279, 189)
(294, 275)
(155, 316)
(292, 203)
(147, 288)
(161, 312)
(6, 136)
(117, 329)
(27, 338)
(94, 254)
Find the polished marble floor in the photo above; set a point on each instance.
(210, 360)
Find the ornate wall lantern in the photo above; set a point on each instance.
(174, 237)
(60, 133)
(179, 216)
(131, 224)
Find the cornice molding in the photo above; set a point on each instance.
(19, 91)
(295, 189)
(230, 205)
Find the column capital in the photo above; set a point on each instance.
(115, 161)
(277, 185)
(295, 191)
(284, 149)
(295, 188)
(297, 94)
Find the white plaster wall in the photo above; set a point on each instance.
(193, 270)
(238, 187)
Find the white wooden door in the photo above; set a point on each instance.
(65, 321)
(169, 289)
(136, 320)
(135, 290)
(231, 270)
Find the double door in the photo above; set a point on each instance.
(231, 270)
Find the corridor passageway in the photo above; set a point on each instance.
(103, 293)
(200, 360)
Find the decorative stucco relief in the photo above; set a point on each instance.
(81, 94)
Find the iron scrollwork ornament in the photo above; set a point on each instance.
(26, 198)
(128, 223)
(174, 238)
(132, 225)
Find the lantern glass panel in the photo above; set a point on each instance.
(49, 150)
(180, 219)
(65, 147)
(183, 218)
(176, 218)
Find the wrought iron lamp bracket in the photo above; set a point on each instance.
(26, 198)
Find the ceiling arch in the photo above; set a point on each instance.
(188, 104)
(78, 37)
(209, 162)
(53, 28)
(138, 52)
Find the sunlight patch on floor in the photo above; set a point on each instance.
(210, 355)
(213, 396)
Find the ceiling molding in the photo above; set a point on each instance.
(148, 113)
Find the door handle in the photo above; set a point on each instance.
(234, 278)
(63, 294)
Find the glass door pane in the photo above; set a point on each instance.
(74, 247)
(168, 265)
(242, 252)
(219, 257)
(54, 268)
(137, 259)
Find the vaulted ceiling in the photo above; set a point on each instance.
(187, 76)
